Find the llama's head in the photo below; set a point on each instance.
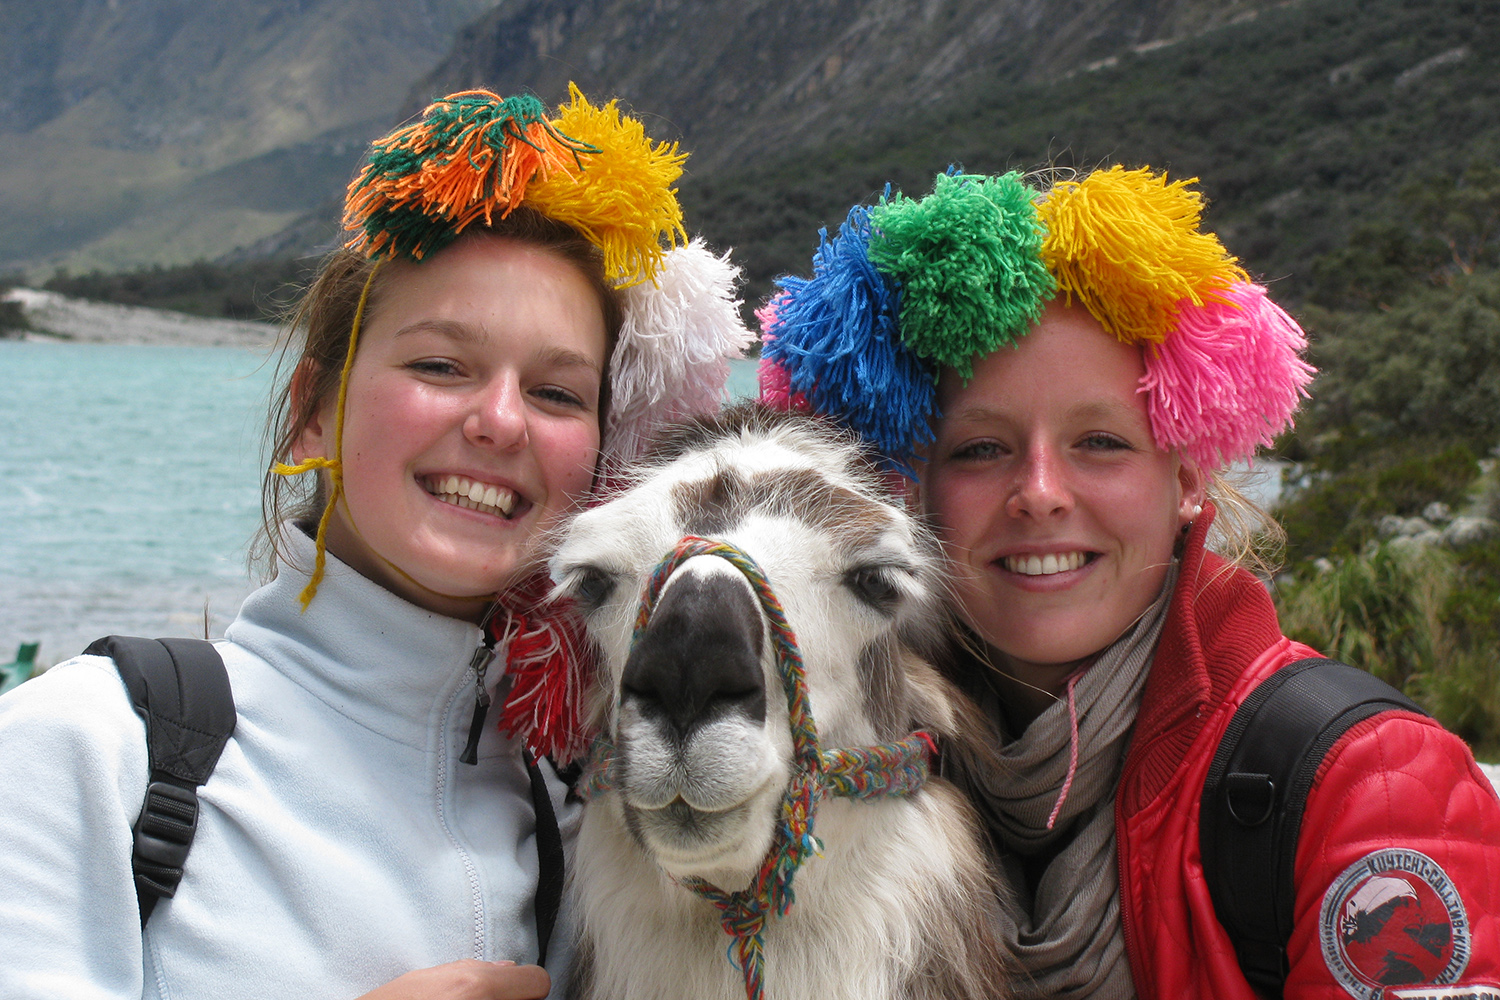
(696, 708)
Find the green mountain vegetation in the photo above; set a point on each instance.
(742, 80)
(1393, 553)
(1305, 120)
(1304, 123)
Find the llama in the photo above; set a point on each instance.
(900, 901)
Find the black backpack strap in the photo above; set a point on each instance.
(1255, 794)
(549, 856)
(180, 689)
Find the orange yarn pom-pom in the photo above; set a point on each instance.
(472, 156)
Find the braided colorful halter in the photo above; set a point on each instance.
(898, 768)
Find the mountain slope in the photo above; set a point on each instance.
(739, 80)
(1306, 123)
(755, 82)
(111, 111)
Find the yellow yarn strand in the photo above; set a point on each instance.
(335, 465)
(622, 200)
(1127, 243)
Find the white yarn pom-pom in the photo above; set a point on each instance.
(672, 359)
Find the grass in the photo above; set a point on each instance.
(1426, 619)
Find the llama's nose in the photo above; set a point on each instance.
(699, 658)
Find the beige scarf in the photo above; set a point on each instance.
(1068, 936)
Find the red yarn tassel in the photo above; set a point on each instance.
(548, 662)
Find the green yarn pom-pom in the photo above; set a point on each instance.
(968, 261)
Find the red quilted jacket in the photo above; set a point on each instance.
(1398, 865)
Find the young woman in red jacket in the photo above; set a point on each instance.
(1064, 373)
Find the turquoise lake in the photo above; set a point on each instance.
(130, 489)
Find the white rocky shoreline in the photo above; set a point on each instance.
(55, 317)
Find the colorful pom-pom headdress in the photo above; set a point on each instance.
(475, 157)
(908, 287)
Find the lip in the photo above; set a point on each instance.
(490, 505)
(1027, 567)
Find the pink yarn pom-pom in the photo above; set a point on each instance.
(1228, 379)
(766, 315)
(776, 388)
(775, 381)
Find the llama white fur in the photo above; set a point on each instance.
(900, 903)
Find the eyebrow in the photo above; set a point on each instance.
(563, 357)
(976, 413)
(1104, 408)
(445, 327)
(552, 356)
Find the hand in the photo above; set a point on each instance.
(468, 979)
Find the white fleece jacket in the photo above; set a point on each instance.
(340, 841)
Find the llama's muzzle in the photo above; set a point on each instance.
(699, 658)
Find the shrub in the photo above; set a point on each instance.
(1381, 610)
(1359, 480)
(1429, 366)
(1422, 619)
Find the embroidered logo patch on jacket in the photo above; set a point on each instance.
(1394, 919)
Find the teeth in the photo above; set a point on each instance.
(462, 491)
(1045, 565)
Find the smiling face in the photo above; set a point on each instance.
(471, 423)
(1056, 509)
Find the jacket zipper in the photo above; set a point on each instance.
(479, 665)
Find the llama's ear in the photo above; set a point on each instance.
(969, 741)
(935, 700)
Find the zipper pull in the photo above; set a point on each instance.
(479, 663)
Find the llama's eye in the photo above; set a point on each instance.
(592, 586)
(875, 586)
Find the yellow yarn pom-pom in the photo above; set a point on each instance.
(1127, 244)
(622, 200)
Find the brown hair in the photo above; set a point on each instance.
(317, 342)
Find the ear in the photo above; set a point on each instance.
(1192, 482)
(316, 439)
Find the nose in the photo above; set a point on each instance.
(497, 415)
(700, 656)
(1040, 489)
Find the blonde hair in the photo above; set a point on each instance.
(1244, 532)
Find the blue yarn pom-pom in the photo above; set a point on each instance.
(836, 335)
